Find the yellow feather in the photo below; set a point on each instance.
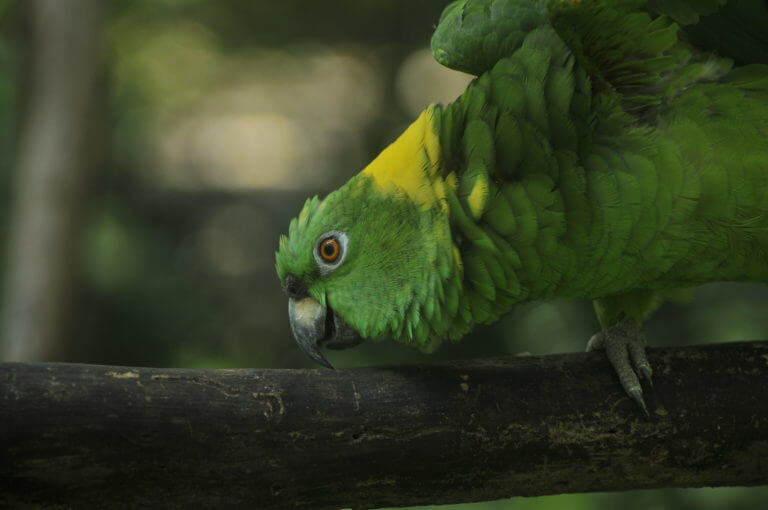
(411, 164)
(478, 197)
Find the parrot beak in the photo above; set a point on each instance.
(315, 326)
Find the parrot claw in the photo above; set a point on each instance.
(647, 372)
(625, 347)
(637, 396)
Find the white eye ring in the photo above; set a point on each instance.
(341, 238)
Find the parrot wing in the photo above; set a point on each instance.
(652, 68)
(624, 45)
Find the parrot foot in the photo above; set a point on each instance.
(624, 342)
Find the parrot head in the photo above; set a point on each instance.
(356, 266)
(373, 259)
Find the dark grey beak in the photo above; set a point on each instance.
(315, 326)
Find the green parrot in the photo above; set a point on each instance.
(613, 150)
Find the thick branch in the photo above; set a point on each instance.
(465, 431)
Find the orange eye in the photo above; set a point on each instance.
(329, 250)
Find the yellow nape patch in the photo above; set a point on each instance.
(411, 164)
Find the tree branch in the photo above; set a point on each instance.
(91, 435)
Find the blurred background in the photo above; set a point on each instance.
(152, 151)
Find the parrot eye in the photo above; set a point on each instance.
(330, 249)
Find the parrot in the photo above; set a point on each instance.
(608, 150)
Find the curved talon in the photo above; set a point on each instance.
(637, 395)
(625, 349)
(647, 372)
(595, 343)
(640, 360)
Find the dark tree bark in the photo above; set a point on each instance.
(95, 436)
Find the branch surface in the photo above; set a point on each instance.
(88, 435)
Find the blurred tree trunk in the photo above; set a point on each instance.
(53, 164)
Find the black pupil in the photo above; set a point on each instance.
(329, 250)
